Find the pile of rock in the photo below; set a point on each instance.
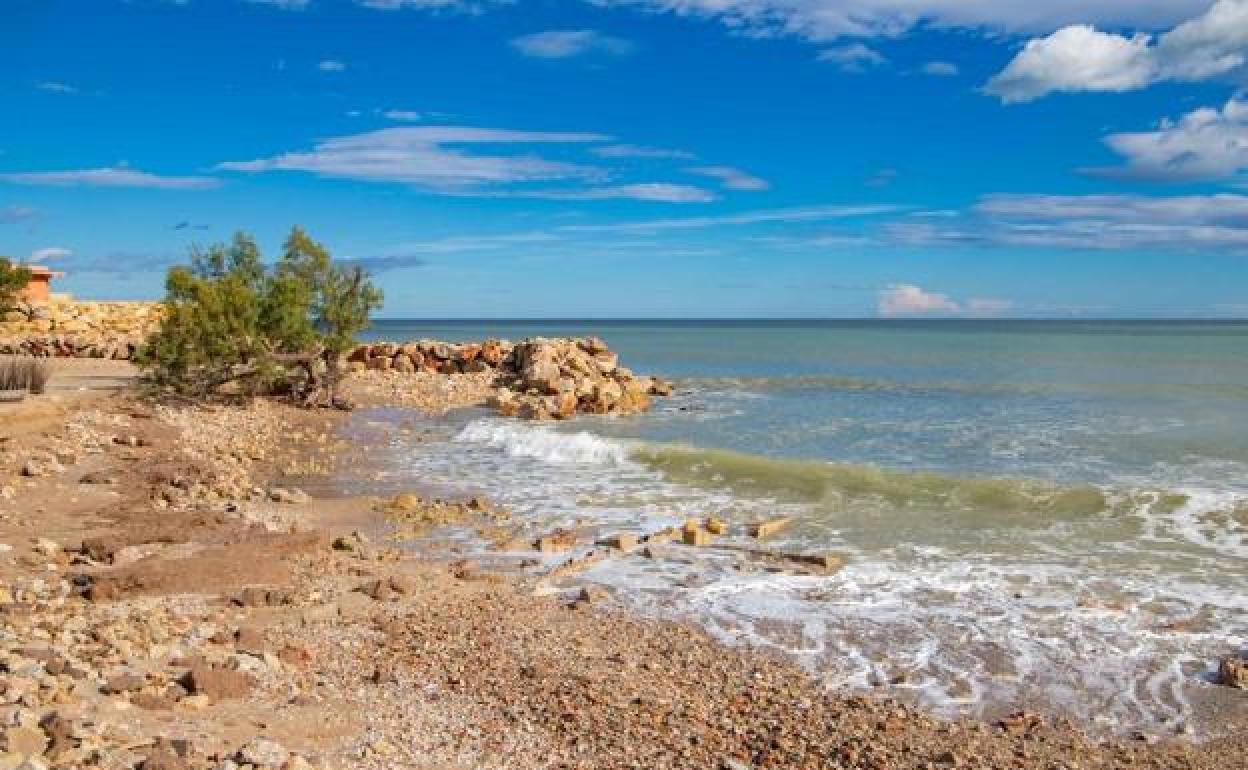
(69, 329)
(536, 379)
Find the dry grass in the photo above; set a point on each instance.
(25, 373)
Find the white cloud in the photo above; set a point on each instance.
(50, 254)
(403, 116)
(634, 151)
(566, 43)
(1205, 144)
(56, 87)
(940, 69)
(731, 178)
(854, 57)
(905, 299)
(331, 65)
(823, 20)
(110, 177)
(805, 214)
(1083, 58)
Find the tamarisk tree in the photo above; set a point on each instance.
(13, 278)
(231, 320)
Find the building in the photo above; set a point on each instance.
(39, 288)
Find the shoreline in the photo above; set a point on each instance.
(355, 654)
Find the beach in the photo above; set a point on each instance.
(198, 585)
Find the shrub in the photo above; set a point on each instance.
(13, 278)
(230, 319)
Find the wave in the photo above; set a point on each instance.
(540, 442)
(824, 484)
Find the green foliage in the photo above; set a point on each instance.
(13, 278)
(229, 319)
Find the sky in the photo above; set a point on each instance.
(646, 158)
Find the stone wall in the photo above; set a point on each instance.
(78, 329)
(536, 379)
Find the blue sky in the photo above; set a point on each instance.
(646, 158)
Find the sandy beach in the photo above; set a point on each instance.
(170, 604)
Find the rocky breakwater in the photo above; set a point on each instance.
(71, 329)
(535, 379)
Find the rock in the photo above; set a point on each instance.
(25, 741)
(1233, 672)
(763, 529)
(693, 534)
(217, 683)
(250, 641)
(542, 376)
(49, 548)
(263, 752)
(288, 496)
(163, 760)
(123, 683)
(98, 477)
(623, 541)
(559, 540)
(592, 594)
(407, 501)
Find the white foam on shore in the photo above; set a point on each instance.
(1080, 613)
(538, 442)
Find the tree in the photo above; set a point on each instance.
(13, 278)
(229, 319)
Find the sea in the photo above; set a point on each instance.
(1035, 515)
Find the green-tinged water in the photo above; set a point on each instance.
(1036, 513)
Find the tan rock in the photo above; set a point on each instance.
(764, 529)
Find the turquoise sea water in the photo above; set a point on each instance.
(1036, 513)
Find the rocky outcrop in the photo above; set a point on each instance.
(536, 379)
(70, 329)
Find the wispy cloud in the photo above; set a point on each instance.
(285, 5)
(331, 65)
(567, 43)
(1204, 223)
(635, 151)
(882, 178)
(55, 87)
(50, 254)
(431, 157)
(941, 69)
(1082, 58)
(449, 160)
(658, 192)
(854, 57)
(14, 213)
(731, 178)
(806, 214)
(825, 20)
(110, 177)
(402, 116)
